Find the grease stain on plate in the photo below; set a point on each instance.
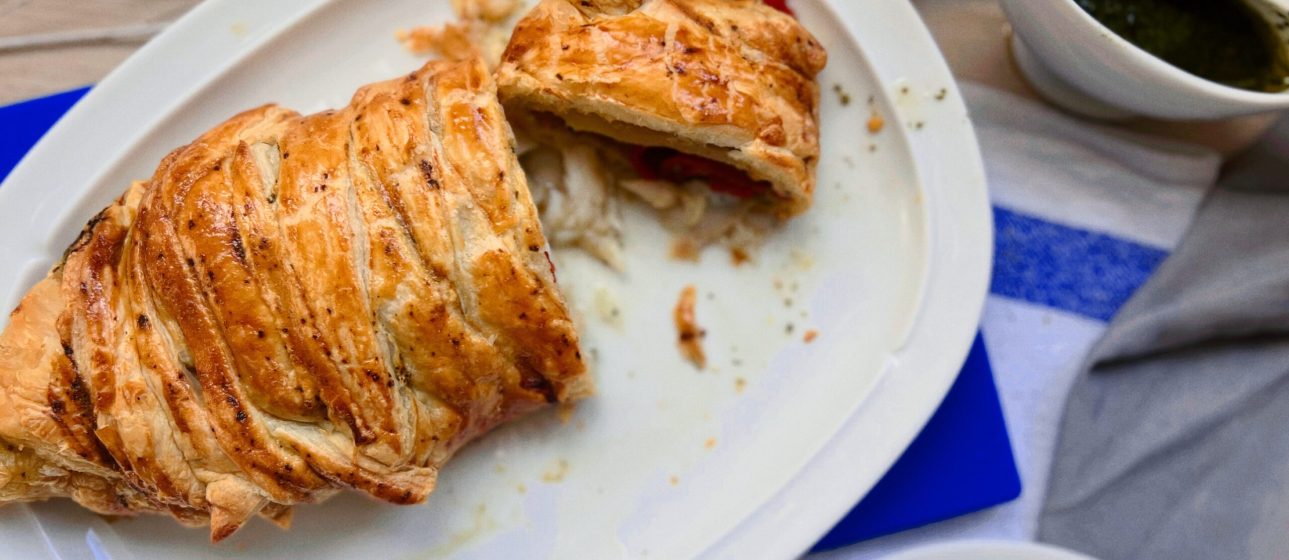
(484, 525)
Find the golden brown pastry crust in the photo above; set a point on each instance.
(292, 305)
(730, 80)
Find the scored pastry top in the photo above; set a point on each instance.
(293, 305)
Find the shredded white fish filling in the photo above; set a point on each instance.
(577, 197)
(577, 205)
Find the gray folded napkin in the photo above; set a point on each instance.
(1175, 439)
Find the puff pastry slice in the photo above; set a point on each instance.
(292, 306)
(729, 84)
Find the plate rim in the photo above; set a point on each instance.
(959, 231)
(960, 240)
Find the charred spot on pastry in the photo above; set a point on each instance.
(427, 170)
(533, 381)
(239, 250)
(142, 322)
(87, 233)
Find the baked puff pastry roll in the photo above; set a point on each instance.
(722, 91)
(291, 306)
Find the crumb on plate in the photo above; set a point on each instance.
(842, 96)
(487, 10)
(810, 336)
(606, 307)
(688, 334)
(452, 40)
(483, 28)
(556, 472)
(684, 249)
(738, 256)
(875, 123)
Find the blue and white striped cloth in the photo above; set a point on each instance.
(1083, 215)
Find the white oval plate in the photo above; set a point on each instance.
(755, 457)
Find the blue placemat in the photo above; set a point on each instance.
(22, 124)
(961, 462)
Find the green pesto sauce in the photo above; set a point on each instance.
(1224, 41)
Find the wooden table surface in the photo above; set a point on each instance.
(971, 33)
(34, 72)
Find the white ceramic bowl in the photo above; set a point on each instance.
(988, 550)
(1081, 65)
